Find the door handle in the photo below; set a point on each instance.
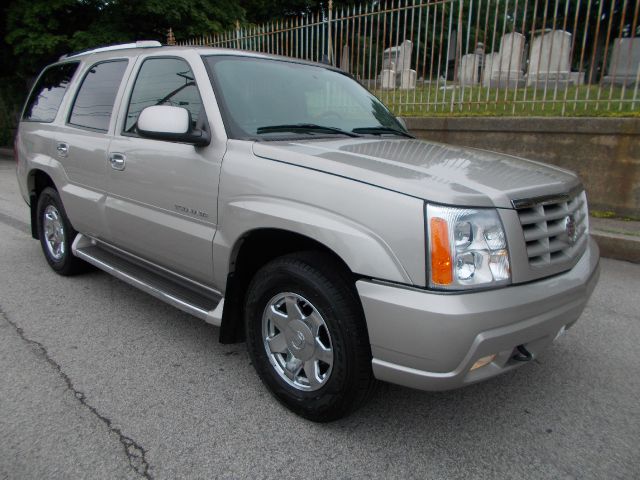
(63, 149)
(117, 161)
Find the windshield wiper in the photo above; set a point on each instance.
(304, 127)
(381, 131)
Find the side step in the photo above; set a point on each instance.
(197, 300)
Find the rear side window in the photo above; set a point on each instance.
(163, 81)
(93, 105)
(47, 95)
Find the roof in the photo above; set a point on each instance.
(141, 46)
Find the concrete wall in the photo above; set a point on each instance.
(604, 152)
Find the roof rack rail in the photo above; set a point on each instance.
(121, 46)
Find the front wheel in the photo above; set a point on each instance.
(307, 338)
(56, 234)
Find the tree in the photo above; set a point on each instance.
(261, 11)
(40, 30)
(37, 32)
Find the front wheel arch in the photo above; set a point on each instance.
(253, 251)
(312, 277)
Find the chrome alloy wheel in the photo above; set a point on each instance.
(53, 232)
(297, 341)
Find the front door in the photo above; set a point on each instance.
(162, 198)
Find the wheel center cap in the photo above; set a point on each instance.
(300, 340)
(297, 342)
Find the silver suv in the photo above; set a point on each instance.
(281, 201)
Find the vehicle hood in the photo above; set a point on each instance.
(427, 170)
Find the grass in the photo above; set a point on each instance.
(612, 215)
(581, 101)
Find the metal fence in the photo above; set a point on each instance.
(493, 57)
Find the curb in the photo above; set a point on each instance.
(619, 247)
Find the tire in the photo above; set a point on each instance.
(56, 234)
(323, 371)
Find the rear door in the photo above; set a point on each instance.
(162, 200)
(83, 141)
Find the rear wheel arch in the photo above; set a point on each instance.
(252, 251)
(56, 234)
(37, 181)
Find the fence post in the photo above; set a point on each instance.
(171, 39)
(238, 34)
(329, 40)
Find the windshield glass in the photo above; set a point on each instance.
(268, 99)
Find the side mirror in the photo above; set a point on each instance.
(164, 122)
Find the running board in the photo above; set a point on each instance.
(199, 301)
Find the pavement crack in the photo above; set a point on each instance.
(136, 454)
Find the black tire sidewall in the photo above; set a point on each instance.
(340, 313)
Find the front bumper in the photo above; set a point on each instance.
(430, 341)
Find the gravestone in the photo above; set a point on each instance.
(576, 78)
(399, 55)
(625, 62)
(344, 59)
(549, 60)
(490, 67)
(388, 78)
(408, 79)
(398, 59)
(470, 65)
(506, 68)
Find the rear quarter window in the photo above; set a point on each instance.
(46, 96)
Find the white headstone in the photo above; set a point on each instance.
(549, 58)
(576, 78)
(491, 64)
(388, 78)
(408, 79)
(398, 58)
(344, 59)
(470, 65)
(404, 62)
(508, 65)
(625, 61)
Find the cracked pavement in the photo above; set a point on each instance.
(99, 380)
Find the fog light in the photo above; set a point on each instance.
(483, 361)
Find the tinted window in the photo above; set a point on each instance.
(47, 95)
(163, 81)
(97, 94)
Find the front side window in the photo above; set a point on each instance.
(47, 95)
(163, 81)
(261, 98)
(94, 102)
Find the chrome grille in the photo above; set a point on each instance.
(555, 229)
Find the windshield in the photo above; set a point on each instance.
(269, 99)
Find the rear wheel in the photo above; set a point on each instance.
(56, 234)
(307, 337)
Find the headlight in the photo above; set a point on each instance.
(467, 248)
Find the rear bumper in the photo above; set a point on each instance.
(430, 341)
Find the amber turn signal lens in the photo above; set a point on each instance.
(483, 361)
(441, 265)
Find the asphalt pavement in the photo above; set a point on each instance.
(99, 380)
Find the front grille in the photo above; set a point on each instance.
(555, 229)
